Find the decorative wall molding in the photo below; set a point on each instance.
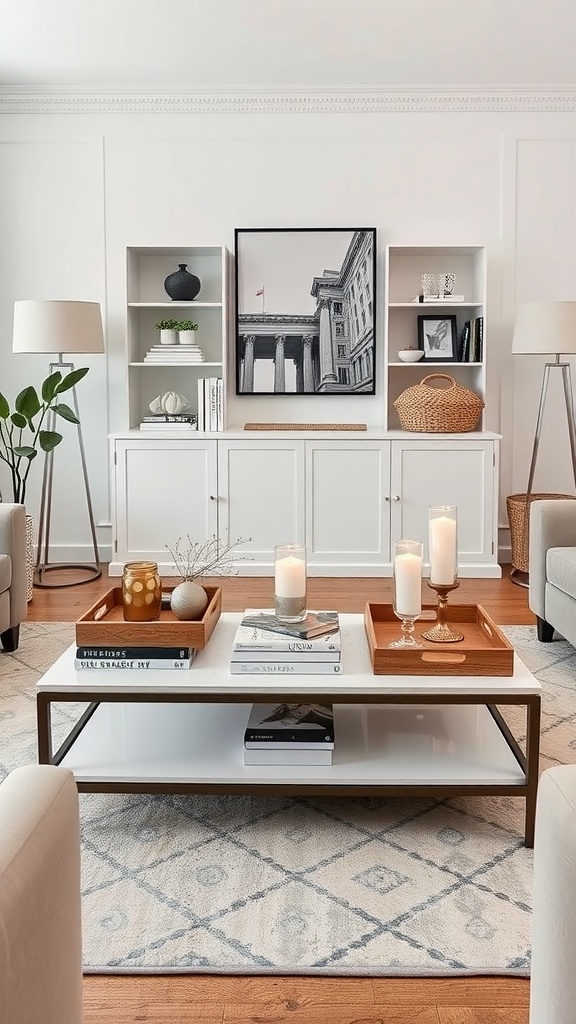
(361, 100)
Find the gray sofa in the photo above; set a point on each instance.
(552, 557)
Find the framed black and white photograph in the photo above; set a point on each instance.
(437, 338)
(305, 311)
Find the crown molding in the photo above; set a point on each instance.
(360, 100)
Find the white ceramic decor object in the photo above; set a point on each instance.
(156, 405)
(172, 403)
(188, 600)
(410, 355)
(168, 337)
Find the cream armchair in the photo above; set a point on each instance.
(552, 586)
(40, 916)
(12, 573)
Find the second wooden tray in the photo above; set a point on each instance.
(104, 624)
(484, 651)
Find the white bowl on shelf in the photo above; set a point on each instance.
(410, 355)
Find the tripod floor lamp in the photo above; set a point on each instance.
(542, 328)
(59, 327)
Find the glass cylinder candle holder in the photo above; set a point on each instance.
(443, 543)
(290, 582)
(141, 592)
(407, 565)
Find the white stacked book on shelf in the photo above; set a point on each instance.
(265, 646)
(174, 354)
(210, 404)
(289, 734)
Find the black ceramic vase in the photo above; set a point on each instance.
(182, 285)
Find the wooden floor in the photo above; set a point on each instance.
(215, 999)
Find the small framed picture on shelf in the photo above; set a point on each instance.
(437, 338)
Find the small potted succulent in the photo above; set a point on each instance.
(168, 332)
(186, 329)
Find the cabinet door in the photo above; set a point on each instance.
(260, 496)
(448, 472)
(164, 489)
(347, 514)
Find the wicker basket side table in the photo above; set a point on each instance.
(518, 508)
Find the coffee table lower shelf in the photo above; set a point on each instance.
(385, 749)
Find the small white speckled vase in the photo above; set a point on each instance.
(188, 600)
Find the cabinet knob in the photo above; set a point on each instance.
(395, 497)
(213, 497)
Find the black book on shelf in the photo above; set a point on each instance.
(290, 723)
(479, 339)
(464, 348)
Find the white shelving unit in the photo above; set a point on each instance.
(147, 303)
(404, 267)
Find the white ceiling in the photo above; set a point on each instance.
(169, 45)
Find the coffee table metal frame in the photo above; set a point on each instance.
(120, 687)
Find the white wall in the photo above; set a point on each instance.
(78, 188)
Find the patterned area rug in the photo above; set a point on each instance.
(300, 885)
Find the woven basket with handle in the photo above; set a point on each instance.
(433, 409)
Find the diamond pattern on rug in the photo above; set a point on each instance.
(340, 885)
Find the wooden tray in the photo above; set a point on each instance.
(104, 623)
(484, 651)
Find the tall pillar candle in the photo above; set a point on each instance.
(408, 585)
(290, 582)
(443, 547)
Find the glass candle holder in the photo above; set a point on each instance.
(407, 565)
(141, 592)
(443, 543)
(290, 582)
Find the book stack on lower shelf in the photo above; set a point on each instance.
(289, 734)
(265, 646)
(108, 657)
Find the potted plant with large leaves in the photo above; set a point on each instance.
(22, 435)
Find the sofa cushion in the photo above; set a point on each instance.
(561, 569)
(5, 572)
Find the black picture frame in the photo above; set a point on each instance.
(305, 311)
(438, 337)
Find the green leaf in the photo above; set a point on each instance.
(28, 403)
(49, 386)
(49, 439)
(19, 420)
(4, 408)
(25, 452)
(65, 412)
(71, 379)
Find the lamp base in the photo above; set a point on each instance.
(94, 572)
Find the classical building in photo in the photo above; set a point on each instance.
(328, 351)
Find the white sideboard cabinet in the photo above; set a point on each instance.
(346, 498)
(164, 489)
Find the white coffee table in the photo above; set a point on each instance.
(173, 731)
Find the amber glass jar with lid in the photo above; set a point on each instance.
(141, 592)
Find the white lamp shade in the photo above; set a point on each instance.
(57, 326)
(545, 328)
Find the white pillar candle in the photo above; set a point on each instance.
(407, 583)
(290, 577)
(442, 535)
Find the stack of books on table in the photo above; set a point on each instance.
(108, 656)
(289, 734)
(264, 645)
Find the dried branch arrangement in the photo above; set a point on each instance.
(210, 558)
